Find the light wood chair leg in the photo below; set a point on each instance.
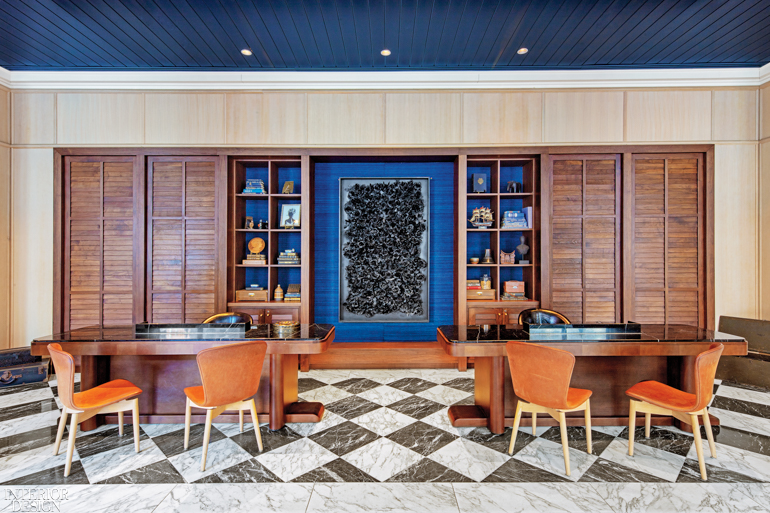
(240, 419)
(516, 421)
(255, 421)
(534, 423)
(709, 434)
(120, 423)
(60, 432)
(135, 414)
(206, 436)
(698, 445)
(588, 427)
(564, 440)
(187, 413)
(631, 426)
(71, 445)
(647, 422)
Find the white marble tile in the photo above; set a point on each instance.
(759, 492)
(154, 430)
(390, 497)
(123, 459)
(383, 421)
(676, 430)
(469, 458)
(327, 375)
(97, 499)
(384, 395)
(233, 428)
(742, 394)
(35, 460)
(539, 430)
(29, 423)
(326, 395)
(382, 458)
(742, 421)
(528, 497)
(549, 456)
(222, 454)
(675, 498)
(444, 395)
(663, 464)
(297, 458)
(384, 375)
(610, 430)
(443, 375)
(237, 498)
(717, 381)
(738, 460)
(30, 396)
(309, 428)
(440, 419)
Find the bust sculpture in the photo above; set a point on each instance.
(523, 250)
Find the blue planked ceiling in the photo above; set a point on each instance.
(349, 34)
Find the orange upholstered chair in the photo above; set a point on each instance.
(114, 396)
(650, 397)
(541, 377)
(230, 375)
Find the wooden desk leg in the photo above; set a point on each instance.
(277, 386)
(283, 394)
(94, 370)
(489, 386)
(688, 384)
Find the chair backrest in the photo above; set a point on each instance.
(540, 316)
(541, 375)
(64, 366)
(229, 318)
(231, 373)
(705, 369)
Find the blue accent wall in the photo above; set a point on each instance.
(326, 257)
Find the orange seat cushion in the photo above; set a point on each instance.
(106, 394)
(195, 394)
(576, 397)
(662, 395)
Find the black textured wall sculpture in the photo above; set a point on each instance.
(384, 250)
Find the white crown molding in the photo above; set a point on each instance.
(380, 80)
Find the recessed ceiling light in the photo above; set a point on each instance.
(246, 52)
(522, 51)
(385, 52)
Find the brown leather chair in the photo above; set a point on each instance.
(114, 396)
(229, 318)
(230, 375)
(541, 377)
(650, 397)
(541, 316)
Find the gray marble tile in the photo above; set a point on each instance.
(690, 473)
(428, 471)
(675, 498)
(528, 497)
(307, 384)
(123, 459)
(34, 460)
(515, 471)
(19, 389)
(736, 460)
(675, 442)
(467, 401)
(382, 458)
(576, 439)
(464, 384)
(237, 498)
(444, 395)
(271, 440)
(344, 438)
(663, 464)
(606, 471)
(249, 471)
(422, 438)
(383, 421)
(26, 397)
(18, 411)
(384, 395)
(499, 443)
(356, 385)
(416, 407)
(51, 476)
(549, 456)
(390, 497)
(108, 439)
(351, 407)
(327, 394)
(22, 442)
(173, 443)
(741, 439)
(412, 385)
(295, 459)
(157, 473)
(222, 454)
(337, 471)
(469, 458)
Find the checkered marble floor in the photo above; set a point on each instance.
(386, 444)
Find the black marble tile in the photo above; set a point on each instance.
(744, 386)
(23, 410)
(467, 401)
(428, 471)
(356, 385)
(23, 442)
(515, 471)
(107, 440)
(53, 476)
(576, 438)
(271, 440)
(337, 471)
(157, 473)
(738, 406)
(464, 384)
(690, 473)
(173, 443)
(352, 407)
(499, 443)
(344, 438)
(22, 388)
(55, 389)
(753, 442)
(663, 439)
(714, 391)
(416, 407)
(605, 471)
(412, 385)
(249, 471)
(307, 384)
(422, 438)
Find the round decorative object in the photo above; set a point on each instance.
(474, 260)
(283, 328)
(256, 245)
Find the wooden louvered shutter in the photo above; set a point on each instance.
(182, 239)
(585, 239)
(666, 264)
(99, 266)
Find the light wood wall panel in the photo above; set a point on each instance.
(284, 118)
(5, 247)
(5, 116)
(100, 118)
(735, 230)
(423, 118)
(734, 115)
(31, 244)
(243, 118)
(346, 118)
(33, 118)
(664, 116)
(583, 117)
(764, 95)
(175, 118)
(764, 228)
(502, 118)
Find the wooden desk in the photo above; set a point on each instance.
(607, 367)
(162, 366)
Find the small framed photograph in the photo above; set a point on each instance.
(289, 216)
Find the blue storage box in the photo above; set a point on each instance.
(19, 367)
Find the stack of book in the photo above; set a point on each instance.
(255, 259)
(474, 284)
(254, 186)
(514, 219)
(292, 293)
(516, 296)
(288, 257)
